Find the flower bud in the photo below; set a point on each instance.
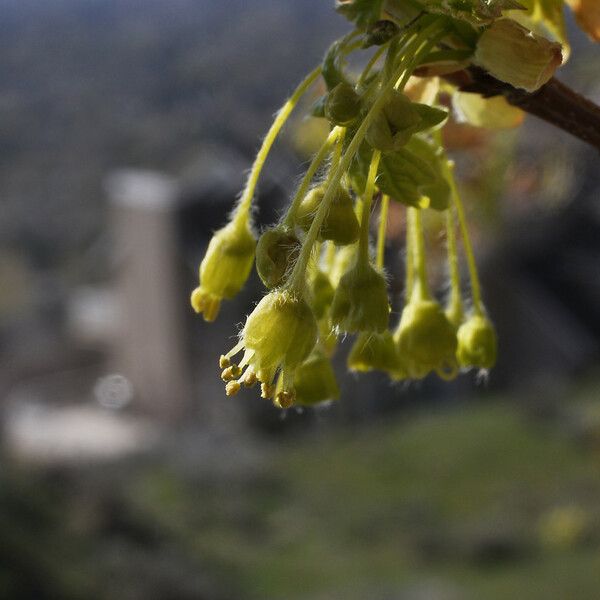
(340, 225)
(516, 56)
(276, 251)
(375, 352)
(224, 268)
(477, 343)
(426, 340)
(380, 33)
(342, 105)
(360, 302)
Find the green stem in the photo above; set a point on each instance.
(455, 295)
(329, 256)
(416, 48)
(316, 162)
(363, 243)
(410, 257)
(242, 210)
(462, 221)
(421, 290)
(383, 214)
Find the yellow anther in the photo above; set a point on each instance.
(285, 399)
(211, 309)
(232, 388)
(224, 361)
(249, 378)
(266, 390)
(232, 372)
(198, 300)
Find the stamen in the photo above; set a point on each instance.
(237, 348)
(285, 399)
(266, 390)
(249, 378)
(230, 373)
(232, 388)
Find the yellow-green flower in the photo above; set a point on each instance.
(361, 302)
(314, 380)
(477, 343)
(426, 340)
(278, 335)
(224, 268)
(376, 352)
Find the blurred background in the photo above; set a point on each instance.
(126, 129)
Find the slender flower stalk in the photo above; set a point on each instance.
(381, 232)
(243, 208)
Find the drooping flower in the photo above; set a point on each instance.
(426, 340)
(361, 302)
(279, 335)
(376, 352)
(314, 380)
(224, 268)
(477, 343)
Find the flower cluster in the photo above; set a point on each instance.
(385, 145)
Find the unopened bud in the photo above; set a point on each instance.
(342, 105)
(380, 33)
(340, 225)
(477, 343)
(224, 268)
(276, 252)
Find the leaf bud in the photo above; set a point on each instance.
(399, 120)
(276, 252)
(340, 225)
(477, 343)
(224, 268)
(380, 33)
(342, 105)
(361, 302)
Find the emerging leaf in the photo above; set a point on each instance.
(493, 113)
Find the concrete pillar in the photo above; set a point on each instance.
(150, 345)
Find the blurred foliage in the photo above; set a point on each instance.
(490, 500)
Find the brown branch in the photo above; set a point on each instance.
(554, 102)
